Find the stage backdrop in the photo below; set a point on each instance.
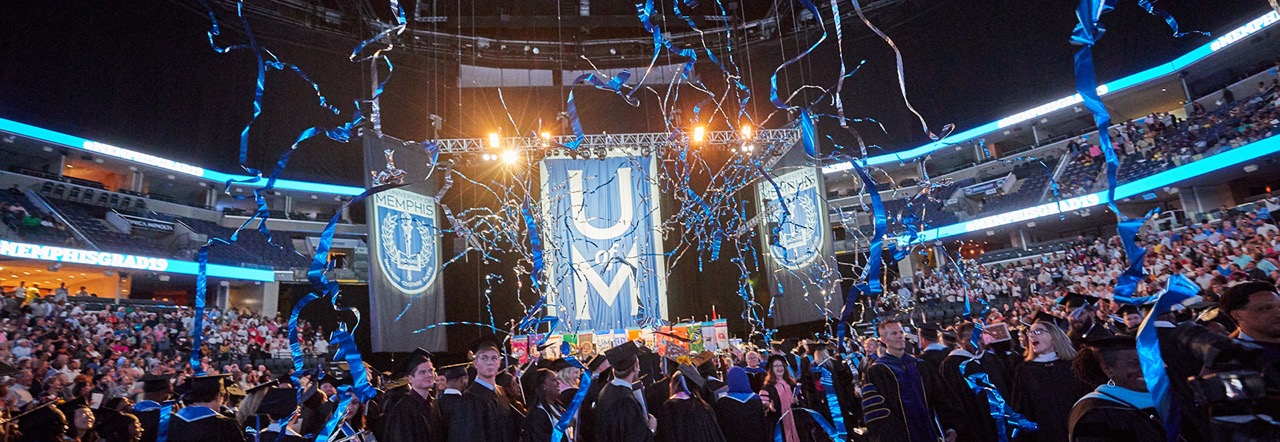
(605, 268)
(404, 253)
(799, 260)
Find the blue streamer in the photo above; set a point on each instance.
(871, 273)
(808, 134)
(1127, 282)
(822, 422)
(773, 80)
(614, 84)
(557, 432)
(1086, 34)
(1180, 289)
(833, 405)
(1000, 410)
(1150, 6)
(166, 412)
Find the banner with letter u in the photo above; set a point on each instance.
(601, 219)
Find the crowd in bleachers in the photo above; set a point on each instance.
(29, 225)
(70, 348)
(1160, 141)
(1236, 246)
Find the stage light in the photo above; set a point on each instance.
(746, 131)
(699, 134)
(546, 135)
(510, 156)
(494, 141)
(748, 147)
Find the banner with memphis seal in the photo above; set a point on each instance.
(605, 267)
(795, 234)
(404, 254)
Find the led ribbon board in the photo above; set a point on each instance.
(122, 261)
(108, 150)
(1162, 70)
(1160, 180)
(605, 267)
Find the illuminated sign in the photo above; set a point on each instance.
(1171, 177)
(1047, 209)
(121, 261)
(1248, 29)
(1161, 70)
(138, 157)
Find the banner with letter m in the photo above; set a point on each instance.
(603, 247)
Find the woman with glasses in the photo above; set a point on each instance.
(1044, 387)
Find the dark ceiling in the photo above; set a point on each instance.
(144, 76)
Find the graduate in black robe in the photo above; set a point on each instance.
(620, 414)
(484, 413)
(545, 410)
(684, 417)
(198, 422)
(1120, 410)
(415, 417)
(1045, 388)
(895, 402)
(456, 380)
(740, 412)
(155, 390)
(933, 351)
(972, 419)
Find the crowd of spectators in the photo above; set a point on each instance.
(1160, 141)
(28, 224)
(66, 349)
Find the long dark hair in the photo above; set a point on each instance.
(769, 378)
(538, 395)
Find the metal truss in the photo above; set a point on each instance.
(767, 139)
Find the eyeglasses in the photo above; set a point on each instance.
(1038, 332)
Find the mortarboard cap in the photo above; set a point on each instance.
(67, 407)
(1076, 300)
(259, 387)
(155, 383)
(42, 420)
(559, 364)
(930, 332)
(1128, 309)
(1043, 316)
(488, 341)
(595, 362)
(455, 371)
(417, 357)
(205, 384)
(623, 357)
(279, 403)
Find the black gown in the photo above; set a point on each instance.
(742, 421)
(483, 415)
(201, 424)
(1044, 393)
(687, 420)
(898, 400)
(1102, 420)
(540, 423)
(585, 421)
(448, 403)
(413, 418)
(972, 416)
(619, 417)
(148, 413)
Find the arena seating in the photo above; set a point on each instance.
(89, 220)
(251, 248)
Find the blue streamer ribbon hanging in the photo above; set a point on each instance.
(1179, 289)
(557, 432)
(1087, 33)
(613, 85)
(1127, 282)
(1150, 6)
(871, 273)
(999, 409)
(833, 405)
(166, 412)
(773, 80)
